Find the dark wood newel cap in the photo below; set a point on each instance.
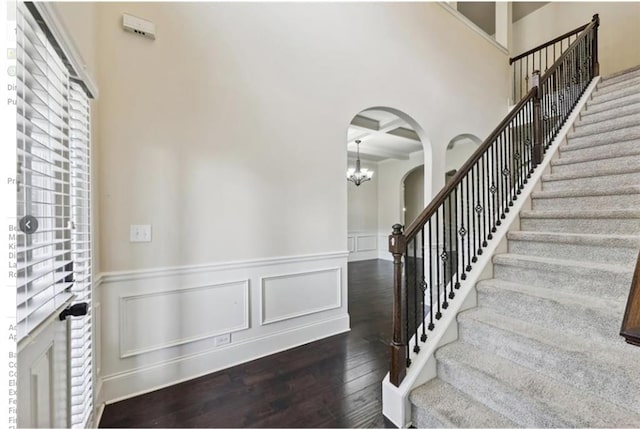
(397, 229)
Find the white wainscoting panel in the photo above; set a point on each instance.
(167, 325)
(146, 321)
(362, 246)
(299, 294)
(351, 244)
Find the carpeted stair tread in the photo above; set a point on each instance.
(580, 277)
(596, 172)
(622, 190)
(577, 313)
(628, 132)
(614, 93)
(581, 214)
(449, 407)
(605, 240)
(600, 248)
(606, 115)
(629, 161)
(606, 371)
(593, 108)
(524, 396)
(606, 86)
(613, 152)
(598, 128)
(620, 76)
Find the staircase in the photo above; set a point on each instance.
(542, 348)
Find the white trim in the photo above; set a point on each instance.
(466, 21)
(395, 400)
(124, 326)
(264, 321)
(65, 41)
(120, 276)
(54, 317)
(116, 387)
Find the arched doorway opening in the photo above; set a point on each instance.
(389, 143)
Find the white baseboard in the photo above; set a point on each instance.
(118, 387)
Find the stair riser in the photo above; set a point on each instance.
(422, 418)
(630, 201)
(552, 314)
(593, 108)
(605, 151)
(589, 226)
(483, 388)
(615, 136)
(605, 126)
(627, 161)
(625, 76)
(597, 182)
(606, 115)
(601, 254)
(579, 370)
(614, 93)
(604, 284)
(607, 87)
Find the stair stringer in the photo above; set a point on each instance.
(395, 400)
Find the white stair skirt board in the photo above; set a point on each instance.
(542, 348)
(395, 400)
(164, 326)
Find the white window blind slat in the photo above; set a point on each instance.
(53, 151)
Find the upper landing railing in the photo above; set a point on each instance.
(433, 255)
(540, 59)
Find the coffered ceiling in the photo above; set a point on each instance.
(383, 135)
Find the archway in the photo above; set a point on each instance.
(391, 144)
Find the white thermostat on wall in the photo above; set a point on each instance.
(139, 26)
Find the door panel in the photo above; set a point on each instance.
(43, 387)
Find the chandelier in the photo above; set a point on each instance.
(358, 175)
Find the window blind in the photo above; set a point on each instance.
(44, 259)
(53, 149)
(81, 338)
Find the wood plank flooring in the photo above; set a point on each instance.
(334, 382)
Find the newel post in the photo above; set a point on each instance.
(594, 56)
(398, 368)
(537, 122)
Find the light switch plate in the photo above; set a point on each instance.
(140, 234)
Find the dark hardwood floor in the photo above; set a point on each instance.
(334, 382)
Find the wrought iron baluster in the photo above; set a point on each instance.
(474, 185)
(437, 262)
(468, 199)
(407, 337)
(444, 256)
(423, 286)
(416, 347)
(430, 251)
(454, 233)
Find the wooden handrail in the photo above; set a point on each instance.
(631, 322)
(595, 22)
(444, 253)
(549, 43)
(422, 219)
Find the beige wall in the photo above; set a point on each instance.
(413, 195)
(204, 132)
(362, 208)
(618, 36)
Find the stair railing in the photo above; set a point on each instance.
(434, 254)
(631, 322)
(540, 58)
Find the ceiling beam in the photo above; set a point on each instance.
(365, 123)
(405, 132)
(384, 153)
